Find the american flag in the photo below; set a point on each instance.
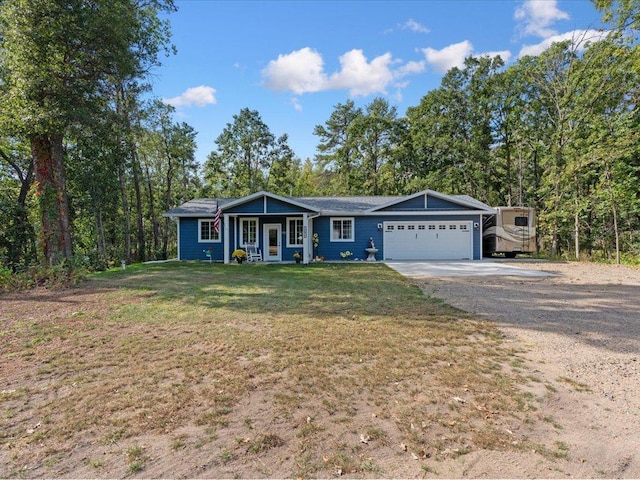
(216, 220)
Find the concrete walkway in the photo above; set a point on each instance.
(462, 268)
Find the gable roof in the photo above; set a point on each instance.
(203, 207)
(462, 200)
(249, 198)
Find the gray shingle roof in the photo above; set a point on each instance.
(199, 206)
(345, 204)
(208, 206)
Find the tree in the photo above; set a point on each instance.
(245, 152)
(58, 57)
(337, 151)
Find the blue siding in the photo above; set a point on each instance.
(410, 205)
(255, 206)
(434, 203)
(367, 227)
(190, 248)
(417, 204)
(278, 206)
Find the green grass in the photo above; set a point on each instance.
(160, 349)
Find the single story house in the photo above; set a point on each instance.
(423, 226)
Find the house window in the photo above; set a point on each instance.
(206, 232)
(294, 232)
(342, 230)
(248, 231)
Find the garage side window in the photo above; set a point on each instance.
(207, 232)
(342, 230)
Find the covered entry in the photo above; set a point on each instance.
(420, 240)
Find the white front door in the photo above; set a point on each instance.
(272, 251)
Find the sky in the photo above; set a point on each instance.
(294, 61)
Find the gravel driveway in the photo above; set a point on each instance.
(581, 331)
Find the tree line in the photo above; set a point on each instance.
(88, 163)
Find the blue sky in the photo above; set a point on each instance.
(294, 61)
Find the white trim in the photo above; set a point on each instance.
(253, 196)
(433, 193)
(294, 245)
(227, 230)
(353, 229)
(209, 220)
(178, 222)
(243, 241)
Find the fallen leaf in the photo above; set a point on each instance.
(403, 447)
(364, 438)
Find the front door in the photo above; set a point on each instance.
(272, 251)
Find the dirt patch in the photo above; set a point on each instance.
(581, 330)
(155, 375)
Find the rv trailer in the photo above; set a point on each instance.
(512, 230)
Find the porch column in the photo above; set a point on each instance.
(225, 238)
(305, 238)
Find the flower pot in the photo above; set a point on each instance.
(239, 259)
(298, 260)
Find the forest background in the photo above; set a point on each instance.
(90, 160)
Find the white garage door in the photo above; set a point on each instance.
(428, 240)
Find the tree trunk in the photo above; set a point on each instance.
(576, 232)
(152, 211)
(51, 192)
(139, 213)
(126, 213)
(615, 229)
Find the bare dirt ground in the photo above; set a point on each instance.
(581, 330)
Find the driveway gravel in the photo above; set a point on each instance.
(580, 326)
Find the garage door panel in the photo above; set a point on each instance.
(427, 240)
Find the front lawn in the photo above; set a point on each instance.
(197, 369)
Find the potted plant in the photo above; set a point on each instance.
(239, 255)
(297, 257)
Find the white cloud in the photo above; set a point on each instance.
(296, 104)
(455, 54)
(449, 57)
(360, 77)
(198, 96)
(300, 71)
(578, 38)
(410, 68)
(505, 55)
(536, 17)
(414, 26)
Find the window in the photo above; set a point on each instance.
(248, 231)
(432, 227)
(452, 227)
(442, 227)
(420, 227)
(464, 227)
(294, 232)
(522, 221)
(400, 227)
(206, 232)
(342, 230)
(411, 227)
(389, 227)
